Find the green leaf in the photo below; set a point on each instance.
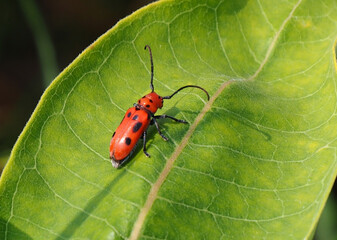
(256, 161)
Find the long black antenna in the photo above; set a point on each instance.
(187, 86)
(151, 84)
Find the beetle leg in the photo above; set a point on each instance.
(144, 145)
(167, 116)
(158, 129)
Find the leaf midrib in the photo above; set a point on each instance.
(169, 164)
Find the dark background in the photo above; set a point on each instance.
(39, 38)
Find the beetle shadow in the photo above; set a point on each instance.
(245, 122)
(233, 7)
(81, 217)
(12, 231)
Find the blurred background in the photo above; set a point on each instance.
(39, 38)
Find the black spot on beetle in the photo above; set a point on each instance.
(135, 117)
(128, 141)
(151, 101)
(147, 105)
(136, 127)
(129, 114)
(113, 134)
(138, 101)
(143, 97)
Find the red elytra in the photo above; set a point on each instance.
(136, 121)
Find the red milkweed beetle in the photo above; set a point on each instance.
(136, 121)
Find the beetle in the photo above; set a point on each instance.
(136, 121)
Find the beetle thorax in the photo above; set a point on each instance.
(151, 101)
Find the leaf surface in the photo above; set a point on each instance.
(258, 160)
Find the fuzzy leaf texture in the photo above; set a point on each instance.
(256, 161)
